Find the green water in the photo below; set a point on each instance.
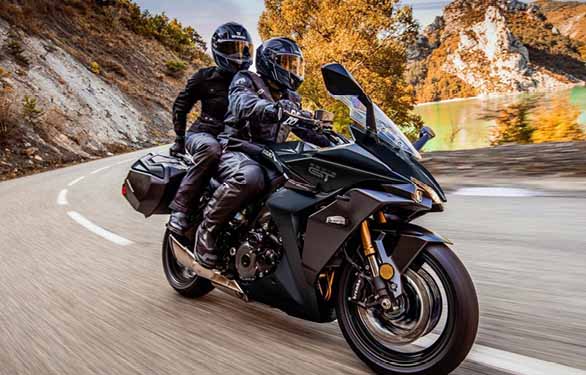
(460, 124)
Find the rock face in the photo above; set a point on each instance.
(569, 17)
(492, 59)
(91, 108)
(484, 47)
(82, 81)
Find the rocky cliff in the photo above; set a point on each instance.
(80, 80)
(569, 17)
(483, 47)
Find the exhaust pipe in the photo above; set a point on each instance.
(187, 260)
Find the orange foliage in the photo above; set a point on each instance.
(558, 123)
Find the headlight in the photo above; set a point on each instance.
(428, 190)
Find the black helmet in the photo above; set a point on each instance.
(232, 47)
(281, 61)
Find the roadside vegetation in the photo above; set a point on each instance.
(525, 123)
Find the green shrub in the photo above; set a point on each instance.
(17, 51)
(30, 112)
(182, 39)
(176, 68)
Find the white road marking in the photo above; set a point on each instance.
(81, 220)
(518, 364)
(495, 192)
(76, 181)
(509, 362)
(101, 169)
(62, 198)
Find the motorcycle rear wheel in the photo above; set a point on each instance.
(181, 279)
(377, 343)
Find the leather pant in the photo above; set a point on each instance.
(242, 180)
(205, 152)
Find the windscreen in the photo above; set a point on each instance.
(388, 131)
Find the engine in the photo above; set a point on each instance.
(259, 255)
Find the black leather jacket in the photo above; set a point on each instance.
(210, 86)
(248, 99)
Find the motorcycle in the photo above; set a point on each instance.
(333, 238)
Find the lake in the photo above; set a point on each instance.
(460, 124)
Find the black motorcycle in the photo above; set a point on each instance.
(333, 239)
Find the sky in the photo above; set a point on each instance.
(206, 15)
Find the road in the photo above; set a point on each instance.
(82, 289)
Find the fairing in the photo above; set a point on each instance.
(398, 160)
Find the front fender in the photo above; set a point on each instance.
(325, 235)
(411, 240)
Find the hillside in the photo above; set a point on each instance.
(569, 17)
(80, 80)
(483, 47)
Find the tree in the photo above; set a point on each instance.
(369, 37)
(513, 124)
(558, 123)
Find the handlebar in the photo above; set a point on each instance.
(311, 121)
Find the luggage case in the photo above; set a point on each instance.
(152, 183)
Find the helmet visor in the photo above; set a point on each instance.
(235, 49)
(292, 63)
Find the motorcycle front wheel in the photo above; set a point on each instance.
(433, 330)
(183, 280)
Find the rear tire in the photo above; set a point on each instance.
(182, 280)
(451, 346)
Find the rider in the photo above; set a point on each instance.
(232, 50)
(258, 111)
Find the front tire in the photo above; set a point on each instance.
(181, 279)
(377, 343)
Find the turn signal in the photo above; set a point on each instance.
(386, 271)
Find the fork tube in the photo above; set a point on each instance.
(382, 219)
(368, 247)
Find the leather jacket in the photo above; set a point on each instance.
(249, 98)
(210, 86)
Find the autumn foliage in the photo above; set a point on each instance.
(513, 124)
(368, 37)
(525, 123)
(559, 123)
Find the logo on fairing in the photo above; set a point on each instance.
(321, 173)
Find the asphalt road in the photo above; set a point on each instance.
(74, 302)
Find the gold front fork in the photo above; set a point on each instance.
(381, 217)
(370, 253)
(368, 247)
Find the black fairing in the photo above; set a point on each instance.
(402, 163)
(339, 167)
(287, 288)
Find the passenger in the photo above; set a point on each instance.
(232, 50)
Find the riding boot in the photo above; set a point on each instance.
(243, 180)
(180, 223)
(205, 247)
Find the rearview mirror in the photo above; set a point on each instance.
(339, 81)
